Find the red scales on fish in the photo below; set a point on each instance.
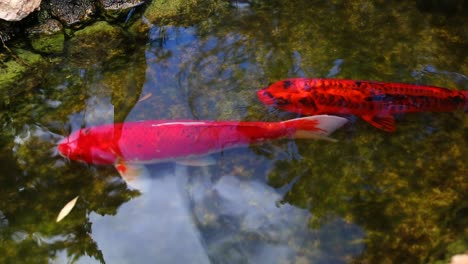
(375, 102)
(130, 145)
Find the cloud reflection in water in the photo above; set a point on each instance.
(194, 219)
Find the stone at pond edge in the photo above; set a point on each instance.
(72, 12)
(47, 37)
(114, 9)
(459, 259)
(120, 4)
(15, 10)
(98, 43)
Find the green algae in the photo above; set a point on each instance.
(98, 43)
(48, 37)
(161, 9)
(49, 43)
(18, 74)
(158, 11)
(178, 12)
(388, 184)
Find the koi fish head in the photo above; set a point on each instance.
(88, 145)
(286, 94)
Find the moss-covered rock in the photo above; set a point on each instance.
(176, 12)
(18, 73)
(115, 9)
(47, 37)
(49, 43)
(162, 9)
(98, 43)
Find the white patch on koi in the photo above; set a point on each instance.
(180, 123)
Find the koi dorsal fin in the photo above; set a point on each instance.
(386, 122)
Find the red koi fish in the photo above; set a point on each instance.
(128, 145)
(375, 102)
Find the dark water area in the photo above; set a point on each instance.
(371, 197)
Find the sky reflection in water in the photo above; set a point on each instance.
(192, 218)
(200, 218)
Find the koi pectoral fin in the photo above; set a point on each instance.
(135, 175)
(386, 122)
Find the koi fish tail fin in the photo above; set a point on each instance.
(315, 127)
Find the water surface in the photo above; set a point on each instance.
(373, 197)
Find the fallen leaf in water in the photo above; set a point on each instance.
(148, 95)
(66, 209)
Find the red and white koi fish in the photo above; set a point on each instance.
(375, 102)
(131, 144)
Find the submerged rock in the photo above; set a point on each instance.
(177, 12)
(189, 11)
(19, 71)
(120, 4)
(15, 10)
(98, 43)
(7, 31)
(114, 9)
(47, 37)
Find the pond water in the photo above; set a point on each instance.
(372, 197)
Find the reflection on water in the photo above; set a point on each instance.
(189, 76)
(223, 220)
(152, 225)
